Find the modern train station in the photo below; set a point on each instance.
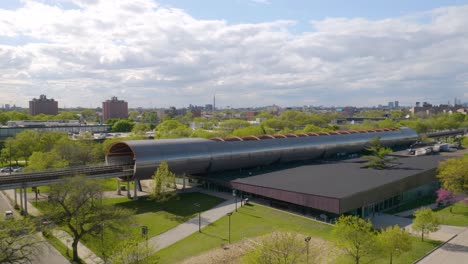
(314, 173)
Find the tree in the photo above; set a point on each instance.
(233, 124)
(393, 241)
(444, 196)
(122, 126)
(141, 128)
(355, 237)
(18, 241)
(378, 157)
(45, 160)
(249, 131)
(172, 129)
(453, 173)
(425, 221)
(76, 203)
(283, 247)
(26, 142)
(163, 179)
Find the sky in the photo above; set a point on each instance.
(249, 53)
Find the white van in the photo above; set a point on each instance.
(8, 215)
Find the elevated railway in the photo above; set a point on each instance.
(32, 179)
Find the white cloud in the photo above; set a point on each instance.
(153, 55)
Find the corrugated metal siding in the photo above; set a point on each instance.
(387, 191)
(318, 202)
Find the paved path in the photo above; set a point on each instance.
(85, 254)
(455, 251)
(411, 211)
(443, 234)
(49, 255)
(191, 226)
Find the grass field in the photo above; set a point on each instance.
(256, 220)
(158, 217)
(455, 214)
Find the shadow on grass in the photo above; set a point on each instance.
(182, 205)
(215, 236)
(251, 215)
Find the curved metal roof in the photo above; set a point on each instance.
(197, 155)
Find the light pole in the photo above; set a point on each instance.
(234, 194)
(229, 214)
(102, 239)
(144, 233)
(199, 216)
(307, 240)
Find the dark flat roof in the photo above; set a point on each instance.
(340, 179)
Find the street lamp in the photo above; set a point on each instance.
(199, 216)
(229, 214)
(234, 194)
(307, 240)
(144, 233)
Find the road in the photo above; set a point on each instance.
(5, 205)
(47, 253)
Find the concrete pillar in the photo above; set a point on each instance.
(16, 202)
(21, 199)
(183, 181)
(25, 201)
(135, 195)
(128, 190)
(119, 192)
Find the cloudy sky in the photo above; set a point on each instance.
(249, 52)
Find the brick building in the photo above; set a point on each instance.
(114, 108)
(42, 105)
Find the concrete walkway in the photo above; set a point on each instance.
(411, 211)
(191, 226)
(83, 252)
(454, 251)
(445, 232)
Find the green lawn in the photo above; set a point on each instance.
(256, 220)
(158, 217)
(457, 217)
(418, 250)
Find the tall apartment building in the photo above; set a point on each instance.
(114, 108)
(43, 106)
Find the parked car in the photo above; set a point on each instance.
(6, 169)
(19, 169)
(8, 215)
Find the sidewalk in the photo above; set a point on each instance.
(443, 234)
(411, 211)
(454, 251)
(85, 254)
(191, 226)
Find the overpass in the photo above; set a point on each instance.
(22, 181)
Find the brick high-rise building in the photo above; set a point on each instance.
(43, 106)
(114, 108)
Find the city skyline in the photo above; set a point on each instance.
(174, 53)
